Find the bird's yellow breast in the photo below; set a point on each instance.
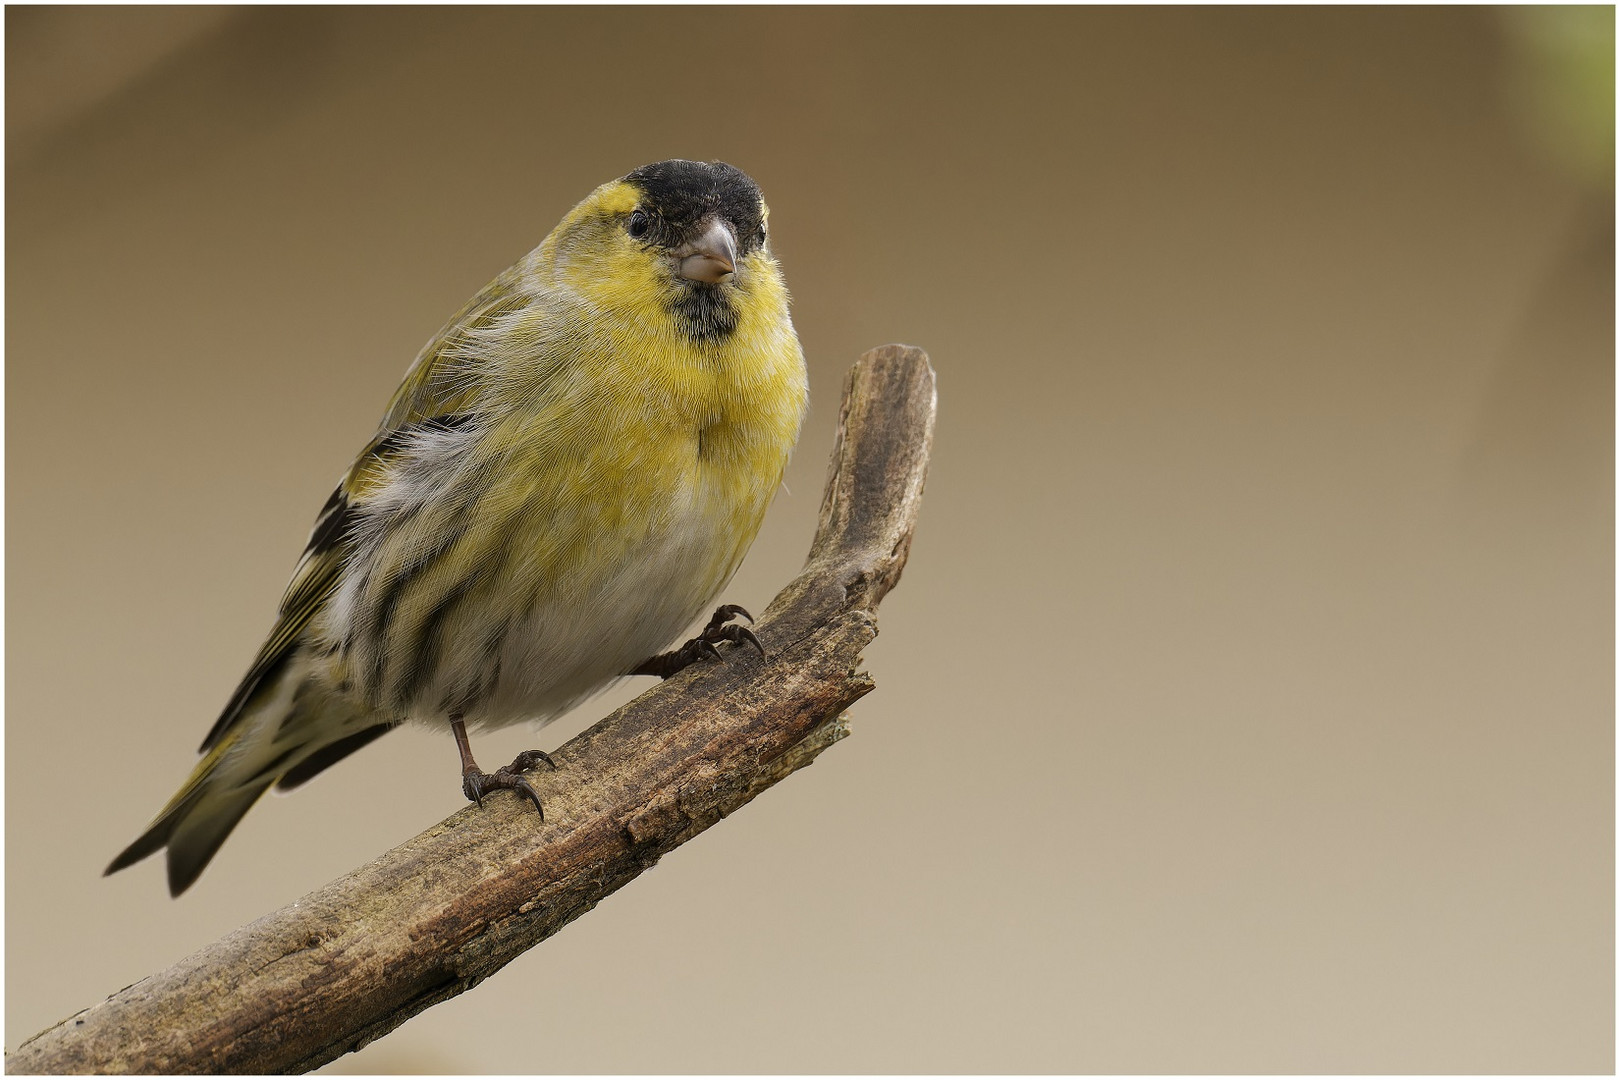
(653, 409)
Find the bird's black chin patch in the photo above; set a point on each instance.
(705, 312)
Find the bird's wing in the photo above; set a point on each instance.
(437, 393)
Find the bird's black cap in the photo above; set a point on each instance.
(683, 193)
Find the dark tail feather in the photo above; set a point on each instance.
(236, 771)
(196, 837)
(191, 837)
(156, 835)
(327, 756)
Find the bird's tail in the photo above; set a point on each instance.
(198, 819)
(282, 742)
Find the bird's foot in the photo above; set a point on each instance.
(720, 628)
(476, 783)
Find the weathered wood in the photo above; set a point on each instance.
(437, 915)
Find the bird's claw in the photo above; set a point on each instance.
(476, 783)
(529, 759)
(740, 634)
(524, 788)
(720, 628)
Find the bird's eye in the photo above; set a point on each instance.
(640, 222)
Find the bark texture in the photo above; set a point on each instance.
(435, 916)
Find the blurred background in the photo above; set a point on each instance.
(1247, 704)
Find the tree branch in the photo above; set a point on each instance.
(351, 961)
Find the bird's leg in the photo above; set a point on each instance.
(476, 783)
(666, 664)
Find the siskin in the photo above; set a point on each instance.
(571, 472)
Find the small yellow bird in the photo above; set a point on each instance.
(571, 472)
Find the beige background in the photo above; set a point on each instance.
(1247, 702)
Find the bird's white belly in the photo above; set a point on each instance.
(575, 643)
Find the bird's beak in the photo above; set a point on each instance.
(710, 258)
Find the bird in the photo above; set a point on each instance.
(569, 475)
